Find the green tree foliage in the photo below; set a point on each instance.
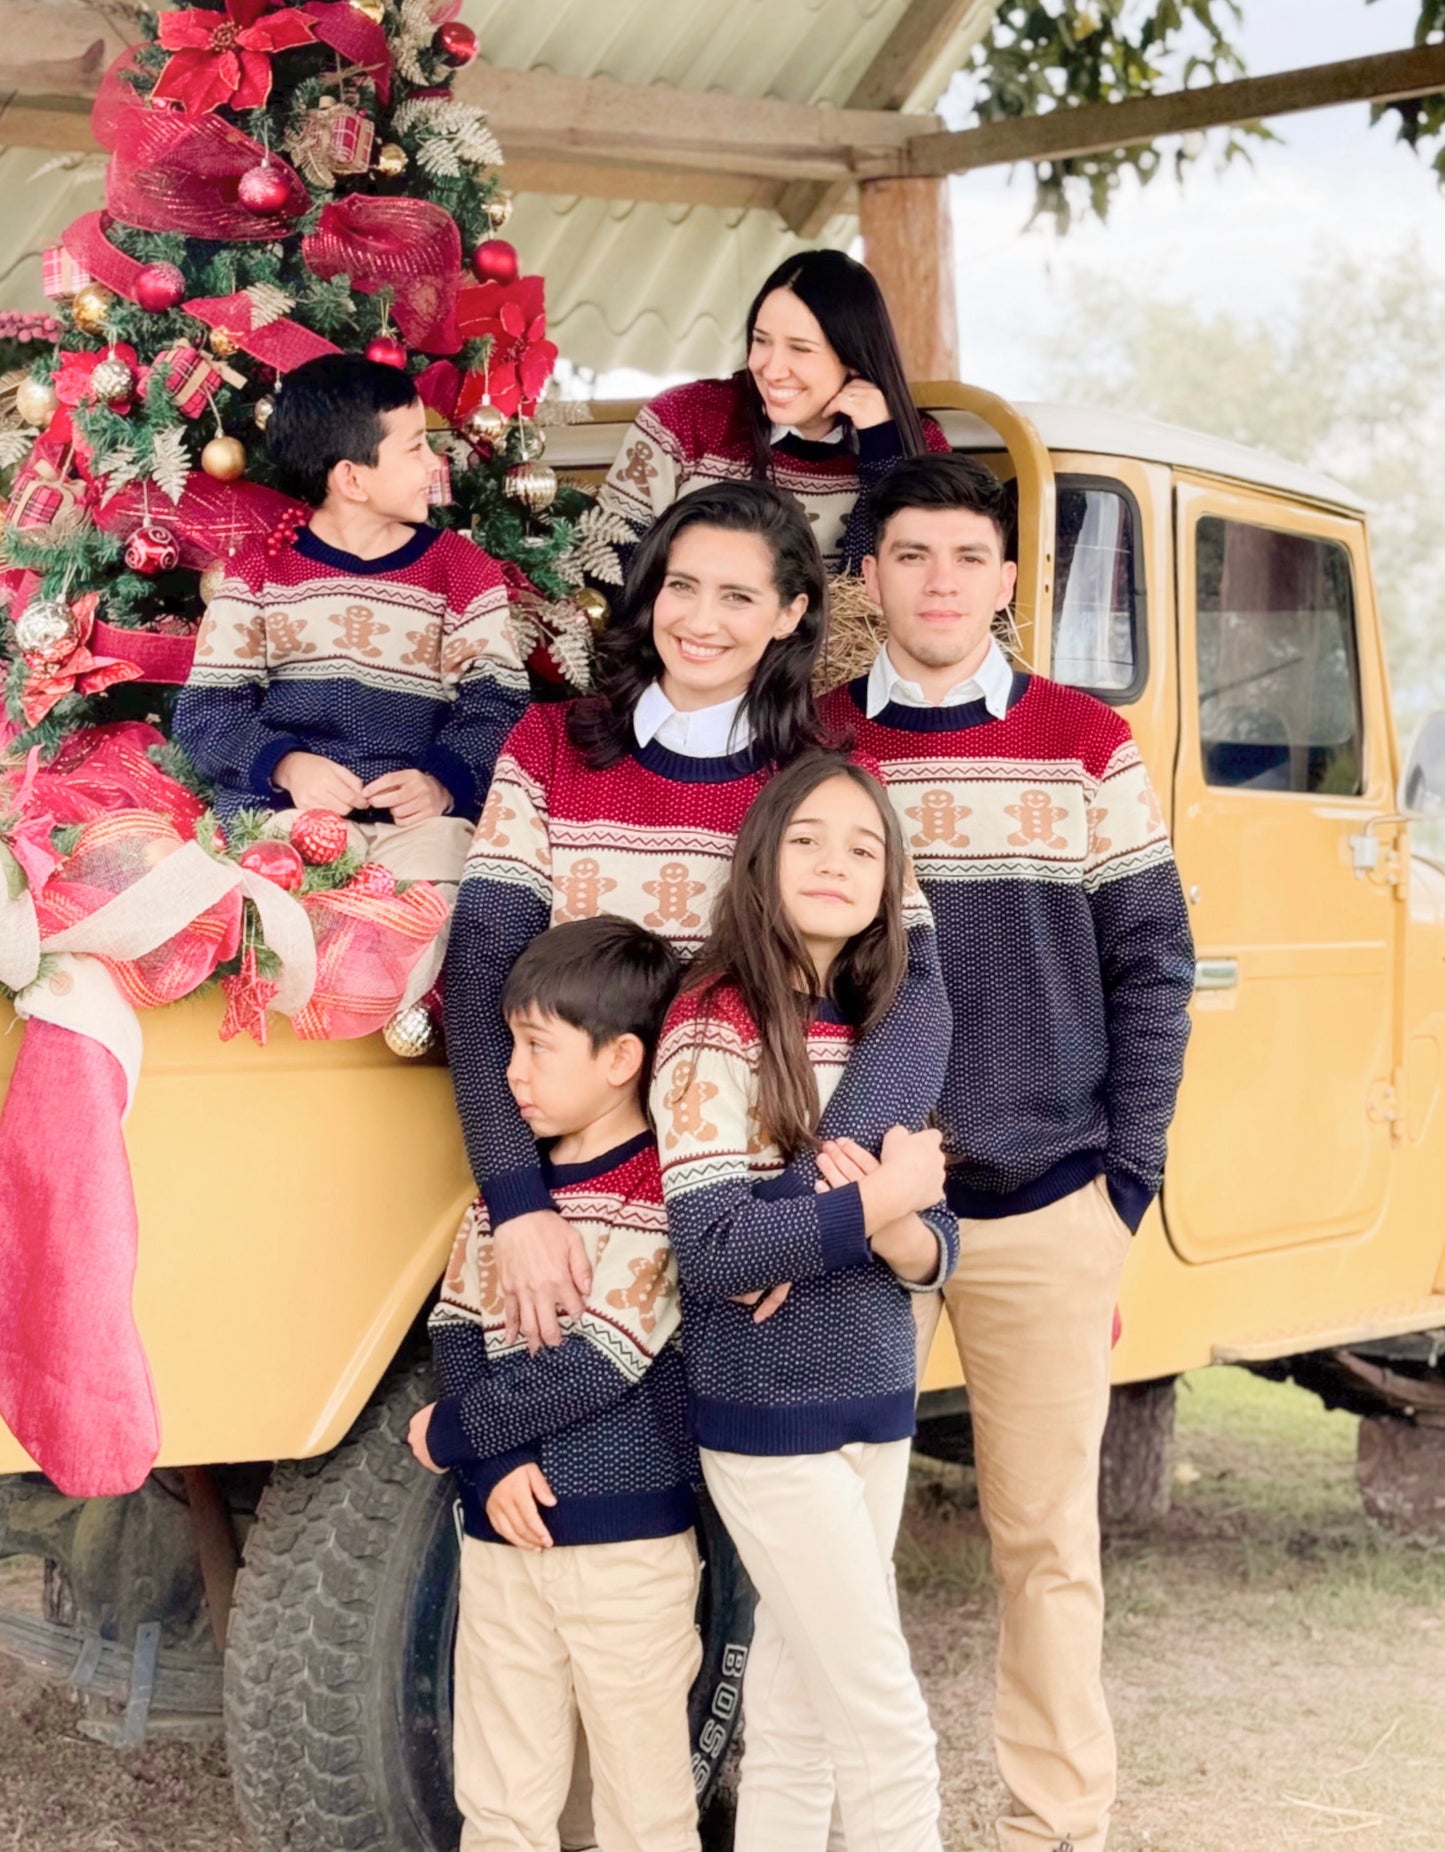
(1420, 120)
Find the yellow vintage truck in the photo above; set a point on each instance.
(1223, 601)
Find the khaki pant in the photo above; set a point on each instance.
(1032, 1307)
(829, 1695)
(604, 1630)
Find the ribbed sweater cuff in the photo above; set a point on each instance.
(450, 769)
(1130, 1197)
(446, 1438)
(841, 1233)
(514, 1193)
(267, 760)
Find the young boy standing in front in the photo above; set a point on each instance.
(575, 1472)
(366, 667)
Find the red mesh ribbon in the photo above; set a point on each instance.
(174, 172)
(366, 947)
(282, 343)
(90, 246)
(99, 769)
(359, 40)
(113, 853)
(211, 520)
(405, 245)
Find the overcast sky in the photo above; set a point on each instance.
(1240, 239)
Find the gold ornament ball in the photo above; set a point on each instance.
(486, 424)
(593, 606)
(391, 159)
(530, 439)
(91, 308)
(46, 629)
(499, 210)
(35, 401)
(532, 484)
(223, 343)
(411, 1032)
(224, 458)
(374, 10)
(112, 379)
(261, 411)
(212, 579)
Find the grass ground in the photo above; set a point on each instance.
(1276, 1668)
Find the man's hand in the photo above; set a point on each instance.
(313, 782)
(416, 1438)
(512, 1508)
(411, 797)
(764, 1303)
(543, 1270)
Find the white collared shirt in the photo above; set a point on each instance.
(991, 683)
(704, 733)
(780, 431)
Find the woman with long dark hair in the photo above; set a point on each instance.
(821, 408)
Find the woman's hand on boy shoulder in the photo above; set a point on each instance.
(416, 1438)
(543, 1270)
(513, 1507)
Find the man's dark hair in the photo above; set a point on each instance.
(330, 411)
(939, 481)
(605, 976)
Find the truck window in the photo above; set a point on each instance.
(1098, 600)
(1279, 680)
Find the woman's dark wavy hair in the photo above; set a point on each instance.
(845, 299)
(754, 946)
(780, 707)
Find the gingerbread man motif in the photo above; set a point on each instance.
(583, 890)
(359, 627)
(1036, 815)
(424, 645)
(459, 653)
(1098, 841)
(639, 467)
(1153, 810)
(938, 816)
(649, 1283)
(248, 640)
(674, 893)
(686, 1099)
(286, 637)
(495, 813)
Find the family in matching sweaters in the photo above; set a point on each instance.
(778, 1027)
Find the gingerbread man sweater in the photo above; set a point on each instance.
(649, 838)
(835, 1363)
(1062, 933)
(400, 663)
(604, 1414)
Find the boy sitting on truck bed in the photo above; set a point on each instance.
(574, 1468)
(366, 667)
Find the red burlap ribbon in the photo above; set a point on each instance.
(407, 246)
(281, 343)
(89, 244)
(211, 520)
(174, 172)
(159, 656)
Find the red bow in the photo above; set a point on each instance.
(521, 360)
(77, 673)
(226, 58)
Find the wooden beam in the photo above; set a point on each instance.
(908, 245)
(668, 187)
(1095, 128)
(918, 39)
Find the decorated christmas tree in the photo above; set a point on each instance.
(283, 181)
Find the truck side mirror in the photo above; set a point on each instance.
(1422, 786)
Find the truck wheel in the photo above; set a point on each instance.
(338, 1660)
(1134, 1471)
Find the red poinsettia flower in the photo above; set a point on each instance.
(513, 318)
(226, 57)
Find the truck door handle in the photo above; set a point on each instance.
(1216, 973)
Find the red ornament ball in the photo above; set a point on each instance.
(495, 261)
(456, 43)
(263, 188)
(159, 287)
(320, 836)
(373, 881)
(276, 861)
(387, 351)
(152, 549)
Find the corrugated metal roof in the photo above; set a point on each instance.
(661, 288)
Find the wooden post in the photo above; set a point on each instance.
(908, 245)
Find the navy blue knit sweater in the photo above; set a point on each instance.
(835, 1363)
(393, 664)
(604, 1414)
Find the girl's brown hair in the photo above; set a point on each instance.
(755, 947)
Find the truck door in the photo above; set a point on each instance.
(1284, 782)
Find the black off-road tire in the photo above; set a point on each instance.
(1136, 1465)
(338, 1660)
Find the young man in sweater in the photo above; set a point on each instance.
(1066, 952)
(573, 1465)
(365, 667)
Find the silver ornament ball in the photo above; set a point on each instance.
(529, 437)
(46, 630)
(112, 380)
(411, 1032)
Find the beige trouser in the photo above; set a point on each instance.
(829, 1695)
(605, 1630)
(1032, 1307)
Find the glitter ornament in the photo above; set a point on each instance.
(152, 549)
(455, 43)
(486, 424)
(374, 10)
(373, 881)
(45, 630)
(593, 606)
(224, 458)
(111, 380)
(261, 411)
(263, 188)
(391, 159)
(319, 837)
(495, 261)
(411, 1032)
(160, 287)
(528, 438)
(223, 343)
(499, 210)
(276, 861)
(35, 401)
(91, 309)
(387, 351)
(532, 484)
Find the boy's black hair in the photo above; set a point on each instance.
(606, 976)
(939, 481)
(330, 411)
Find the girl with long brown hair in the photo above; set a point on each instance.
(804, 1417)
